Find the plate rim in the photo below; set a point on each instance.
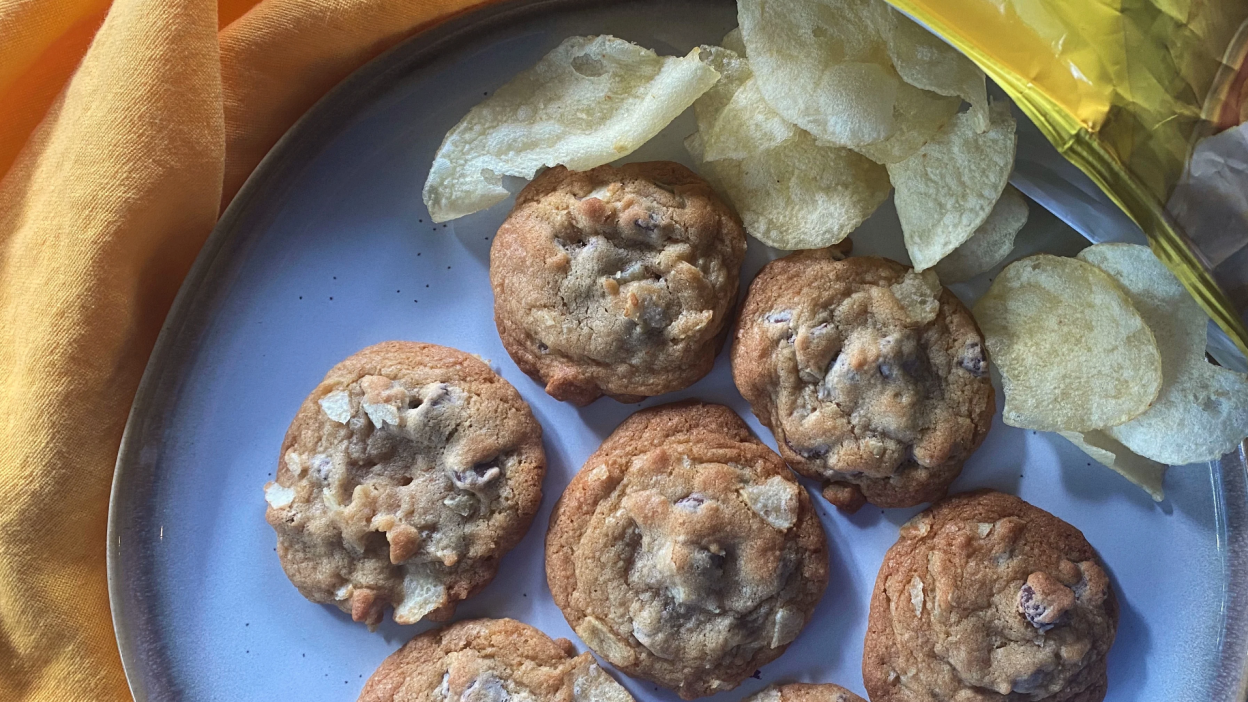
(326, 115)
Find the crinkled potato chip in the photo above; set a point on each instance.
(733, 42)
(798, 195)
(1203, 415)
(791, 192)
(948, 188)
(925, 61)
(732, 116)
(1073, 352)
(733, 71)
(919, 295)
(918, 115)
(1202, 410)
(745, 126)
(991, 243)
(588, 102)
(1147, 474)
(824, 65)
(1176, 320)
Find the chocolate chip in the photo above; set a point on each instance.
(1029, 683)
(972, 359)
(807, 453)
(886, 370)
(649, 223)
(691, 502)
(705, 562)
(1034, 610)
(779, 317)
(542, 347)
(476, 477)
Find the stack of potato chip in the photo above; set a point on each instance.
(1109, 349)
(838, 102)
(823, 105)
(808, 115)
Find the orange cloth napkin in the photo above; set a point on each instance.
(124, 128)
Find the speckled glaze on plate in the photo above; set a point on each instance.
(328, 249)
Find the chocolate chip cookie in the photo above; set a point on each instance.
(804, 692)
(490, 660)
(872, 377)
(684, 551)
(985, 597)
(404, 477)
(616, 281)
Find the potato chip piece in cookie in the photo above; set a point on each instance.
(405, 476)
(685, 552)
(986, 597)
(616, 281)
(804, 692)
(490, 660)
(872, 377)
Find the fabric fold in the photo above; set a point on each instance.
(124, 129)
(101, 214)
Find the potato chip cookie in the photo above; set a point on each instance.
(404, 477)
(804, 692)
(985, 597)
(490, 660)
(872, 377)
(685, 552)
(616, 281)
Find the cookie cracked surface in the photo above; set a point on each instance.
(684, 551)
(872, 377)
(986, 598)
(616, 281)
(804, 692)
(404, 477)
(490, 660)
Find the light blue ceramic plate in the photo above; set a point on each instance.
(329, 249)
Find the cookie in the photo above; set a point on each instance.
(616, 281)
(985, 597)
(804, 692)
(872, 377)
(684, 551)
(404, 477)
(490, 660)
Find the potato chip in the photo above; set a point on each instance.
(799, 194)
(991, 243)
(948, 188)
(733, 72)
(1203, 416)
(918, 115)
(1176, 320)
(1201, 412)
(732, 41)
(1102, 447)
(1073, 352)
(925, 61)
(919, 295)
(588, 102)
(745, 126)
(824, 65)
